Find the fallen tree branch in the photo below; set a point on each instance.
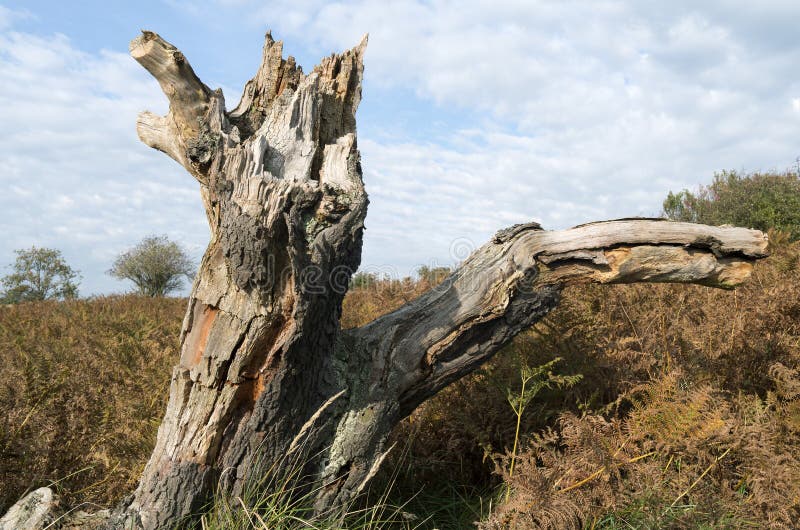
(513, 281)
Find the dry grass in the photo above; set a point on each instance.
(82, 390)
(687, 414)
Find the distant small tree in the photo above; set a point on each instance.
(755, 200)
(39, 274)
(156, 266)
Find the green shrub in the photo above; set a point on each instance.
(754, 200)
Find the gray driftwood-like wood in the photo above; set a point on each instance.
(35, 511)
(266, 377)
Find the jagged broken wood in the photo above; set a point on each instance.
(266, 377)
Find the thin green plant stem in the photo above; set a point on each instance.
(712, 464)
(518, 411)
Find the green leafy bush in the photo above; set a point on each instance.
(754, 200)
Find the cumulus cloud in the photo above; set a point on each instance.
(475, 116)
(580, 110)
(75, 175)
(514, 57)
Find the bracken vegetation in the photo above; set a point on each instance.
(83, 386)
(686, 413)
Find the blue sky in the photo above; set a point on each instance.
(475, 114)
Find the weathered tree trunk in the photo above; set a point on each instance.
(281, 183)
(266, 375)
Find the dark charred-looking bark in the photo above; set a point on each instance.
(281, 182)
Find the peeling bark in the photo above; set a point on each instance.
(281, 183)
(266, 376)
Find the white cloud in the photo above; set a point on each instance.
(561, 112)
(544, 64)
(9, 16)
(80, 179)
(583, 109)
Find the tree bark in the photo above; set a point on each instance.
(266, 378)
(280, 179)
